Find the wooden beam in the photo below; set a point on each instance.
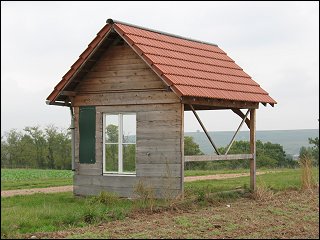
(253, 149)
(219, 103)
(68, 93)
(202, 107)
(234, 135)
(206, 158)
(240, 114)
(64, 104)
(204, 129)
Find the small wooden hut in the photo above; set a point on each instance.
(127, 94)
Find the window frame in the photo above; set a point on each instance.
(120, 144)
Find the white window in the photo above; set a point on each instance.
(119, 141)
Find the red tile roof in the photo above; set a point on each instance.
(190, 67)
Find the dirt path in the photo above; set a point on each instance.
(10, 193)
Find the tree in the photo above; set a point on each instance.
(315, 149)
(112, 136)
(311, 152)
(268, 155)
(39, 142)
(112, 133)
(12, 148)
(59, 148)
(191, 148)
(4, 153)
(35, 148)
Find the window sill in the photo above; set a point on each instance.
(120, 174)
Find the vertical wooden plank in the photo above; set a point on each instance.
(182, 150)
(253, 149)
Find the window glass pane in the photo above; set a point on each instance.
(111, 151)
(129, 157)
(129, 128)
(112, 128)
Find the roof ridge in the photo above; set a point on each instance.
(111, 21)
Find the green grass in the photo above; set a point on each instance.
(52, 212)
(188, 173)
(286, 179)
(34, 178)
(38, 178)
(183, 221)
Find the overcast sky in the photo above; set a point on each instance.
(276, 43)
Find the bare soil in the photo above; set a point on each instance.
(9, 193)
(290, 214)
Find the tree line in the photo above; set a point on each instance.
(50, 148)
(269, 155)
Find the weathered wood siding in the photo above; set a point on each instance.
(121, 82)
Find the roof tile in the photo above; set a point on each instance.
(191, 67)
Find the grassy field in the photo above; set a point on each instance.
(188, 173)
(203, 205)
(283, 179)
(34, 178)
(288, 215)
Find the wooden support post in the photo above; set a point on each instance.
(253, 149)
(182, 151)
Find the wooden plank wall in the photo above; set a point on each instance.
(122, 82)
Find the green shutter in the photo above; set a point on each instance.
(87, 129)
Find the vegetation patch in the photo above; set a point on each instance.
(53, 212)
(34, 178)
(38, 213)
(244, 218)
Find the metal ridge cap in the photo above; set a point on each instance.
(111, 21)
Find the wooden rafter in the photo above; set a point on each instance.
(219, 103)
(234, 135)
(204, 129)
(240, 114)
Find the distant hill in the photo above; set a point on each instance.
(291, 140)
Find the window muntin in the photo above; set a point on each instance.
(119, 153)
